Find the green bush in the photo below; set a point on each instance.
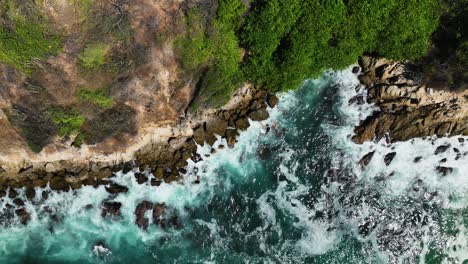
(68, 121)
(96, 97)
(94, 56)
(291, 40)
(24, 38)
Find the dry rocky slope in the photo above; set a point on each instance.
(408, 107)
(152, 94)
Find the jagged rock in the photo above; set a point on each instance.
(18, 202)
(231, 137)
(389, 158)
(141, 178)
(264, 153)
(110, 209)
(59, 184)
(441, 149)
(444, 170)
(407, 108)
(158, 214)
(272, 100)
(242, 123)
(366, 159)
(115, 188)
(141, 221)
(259, 115)
(12, 193)
(23, 215)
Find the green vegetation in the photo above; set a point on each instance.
(215, 50)
(287, 41)
(96, 97)
(94, 56)
(68, 121)
(24, 37)
(287, 45)
(448, 61)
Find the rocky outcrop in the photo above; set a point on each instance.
(163, 154)
(408, 107)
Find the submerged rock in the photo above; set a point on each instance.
(141, 221)
(115, 188)
(110, 209)
(444, 171)
(264, 153)
(158, 214)
(366, 159)
(441, 149)
(23, 215)
(389, 158)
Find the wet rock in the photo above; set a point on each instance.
(417, 159)
(231, 136)
(158, 214)
(175, 222)
(366, 159)
(18, 202)
(358, 99)
(259, 115)
(141, 178)
(441, 149)
(141, 221)
(389, 158)
(115, 188)
(242, 123)
(12, 193)
(272, 100)
(264, 153)
(443, 160)
(196, 158)
(197, 181)
(199, 135)
(110, 209)
(456, 150)
(461, 140)
(23, 215)
(356, 69)
(59, 184)
(458, 156)
(45, 195)
(444, 171)
(155, 182)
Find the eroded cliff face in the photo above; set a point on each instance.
(148, 92)
(409, 108)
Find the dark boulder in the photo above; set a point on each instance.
(356, 69)
(141, 178)
(115, 188)
(158, 214)
(110, 209)
(389, 158)
(366, 159)
(444, 171)
(18, 202)
(59, 184)
(30, 193)
(155, 182)
(140, 220)
(272, 100)
(264, 153)
(441, 149)
(12, 193)
(417, 159)
(23, 215)
(461, 140)
(259, 115)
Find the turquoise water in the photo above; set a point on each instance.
(305, 200)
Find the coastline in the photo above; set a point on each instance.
(160, 149)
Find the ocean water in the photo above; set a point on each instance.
(290, 191)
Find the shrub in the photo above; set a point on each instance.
(93, 56)
(68, 121)
(96, 97)
(24, 38)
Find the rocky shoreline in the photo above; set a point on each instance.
(408, 107)
(161, 160)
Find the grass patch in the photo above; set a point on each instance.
(68, 121)
(24, 38)
(93, 56)
(96, 97)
